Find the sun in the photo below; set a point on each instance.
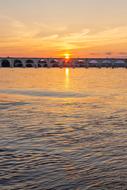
(67, 56)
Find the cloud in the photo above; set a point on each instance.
(18, 36)
(123, 53)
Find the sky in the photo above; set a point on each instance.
(52, 28)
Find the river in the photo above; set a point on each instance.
(63, 129)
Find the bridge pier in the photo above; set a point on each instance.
(0, 63)
(12, 63)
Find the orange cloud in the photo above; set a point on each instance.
(39, 39)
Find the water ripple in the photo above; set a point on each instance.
(72, 140)
(44, 93)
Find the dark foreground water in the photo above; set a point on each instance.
(63, 129)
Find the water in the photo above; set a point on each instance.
(63, 129)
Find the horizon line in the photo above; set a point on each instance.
(50, 57)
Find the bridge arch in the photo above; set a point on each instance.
(119, 63)
(106, 63)
(18, 63)
(54, 63)
(5, 63)
(80, 63)
(42, 63)
(29, 63)
(93, 63)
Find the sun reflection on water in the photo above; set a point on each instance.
(67, 78)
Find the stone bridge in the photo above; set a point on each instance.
(60, 62)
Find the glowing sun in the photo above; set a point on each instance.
(67, 56)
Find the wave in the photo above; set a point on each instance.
(41, 93)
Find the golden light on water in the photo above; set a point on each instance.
(67, 71)
(67, 77)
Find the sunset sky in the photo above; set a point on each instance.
(51, 28)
